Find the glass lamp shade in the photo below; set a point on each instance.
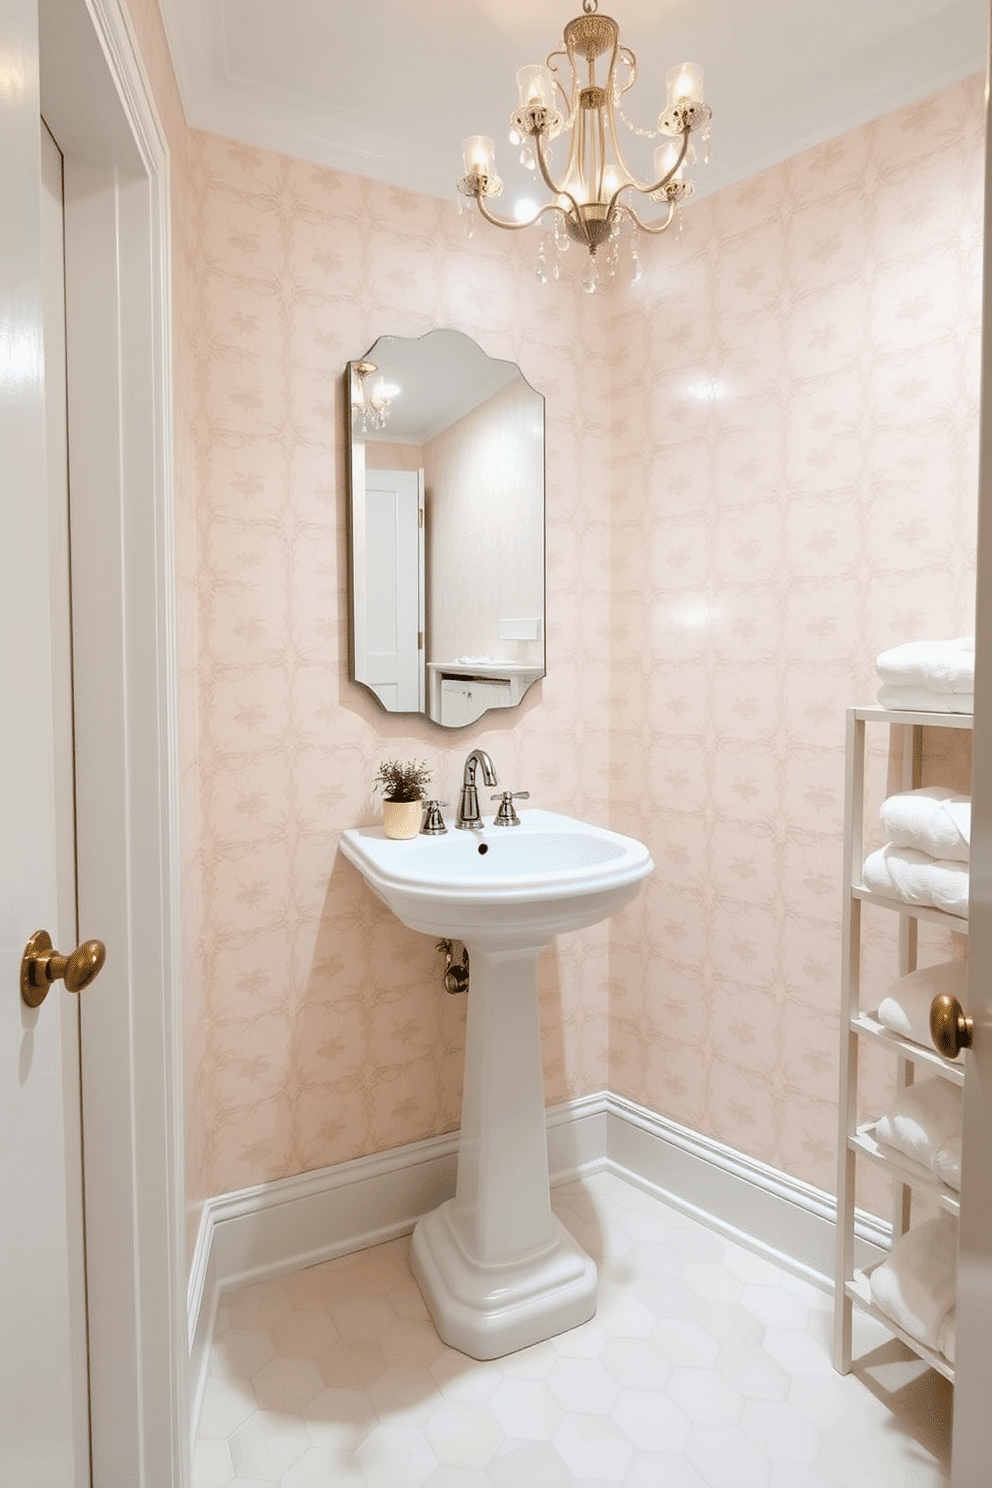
(685, 84)
(665, 157)
(611, 181)
(479, 155)
(536, 87)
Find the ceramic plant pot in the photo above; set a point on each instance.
(402, 818)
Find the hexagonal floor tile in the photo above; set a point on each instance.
(287, 1384)
(594, 1447)
(527, 1410)
(705, 1367)
(463, 1434)
(305, 1335)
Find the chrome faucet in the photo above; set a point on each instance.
(469, 817)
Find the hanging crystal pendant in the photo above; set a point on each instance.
(590, 275)
(562, 240)
(636, 272)
(613, 250)
(548, 264)
(467, 214)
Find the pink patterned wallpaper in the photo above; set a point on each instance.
(761, 471)
(794, 489)
(325, 1031)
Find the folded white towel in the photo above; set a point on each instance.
(924, 700)
(915, 1285)
(945, 1336)
(947, 1163)
(933, 820)
(905, 1008)
(915, 878)
(924, 1124)
(940, 666)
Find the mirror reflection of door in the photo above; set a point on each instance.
(394, 588)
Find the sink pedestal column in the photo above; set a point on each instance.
(496, 1269)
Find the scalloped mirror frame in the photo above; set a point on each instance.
(446, 528)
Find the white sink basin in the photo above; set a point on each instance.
(548, 875)
(497, 1269)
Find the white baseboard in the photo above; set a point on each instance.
(758, 1206)
(295, 1222)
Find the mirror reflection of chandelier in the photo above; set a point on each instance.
(369, 400)
(591, 199)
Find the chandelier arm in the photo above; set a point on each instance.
(505, 222)
(625, 55)
(632, 181)
(546, 174)
(566, 98)
(658, 185)
(621, 163)
(651, 227)
(601, 152)
(558, 190)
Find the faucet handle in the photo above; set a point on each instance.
(506, 816)
(433, 820)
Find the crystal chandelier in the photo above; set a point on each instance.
(591, 197)
(369, 398)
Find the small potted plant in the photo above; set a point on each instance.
(402, 783)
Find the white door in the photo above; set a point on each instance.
(73, 60)
(394, 588)
(43, 1376)
(971, 1461)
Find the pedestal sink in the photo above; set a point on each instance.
(497, 1270)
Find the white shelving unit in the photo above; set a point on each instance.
(860, 1026)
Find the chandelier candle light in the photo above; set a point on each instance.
(370, 397)
(586, 200)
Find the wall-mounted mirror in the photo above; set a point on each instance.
(446, 518)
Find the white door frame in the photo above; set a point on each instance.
(972, 1434)
(95, 97)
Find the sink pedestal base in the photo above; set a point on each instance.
(497, 1271)
(489, 1311)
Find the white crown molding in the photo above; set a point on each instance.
(297, 79)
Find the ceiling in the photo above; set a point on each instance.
(433, 381)
(389, 88)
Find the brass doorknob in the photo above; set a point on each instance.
(41, 966)
(950, 1027)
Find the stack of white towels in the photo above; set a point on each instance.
(915, 1285)
(924, 1125)
(925, 863)
(925, 859)
(905, 1008)
(929, 676)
